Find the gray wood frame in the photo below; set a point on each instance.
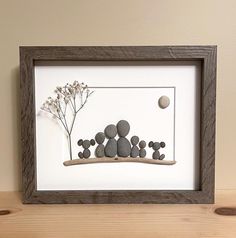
(205, 54)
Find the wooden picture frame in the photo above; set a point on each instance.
(206, 55)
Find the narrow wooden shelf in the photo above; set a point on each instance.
(118, 159)
(116, 221)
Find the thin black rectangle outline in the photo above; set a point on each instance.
(136, 87)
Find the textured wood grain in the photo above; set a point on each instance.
(117, 160)
(205, 54)
(116, 221)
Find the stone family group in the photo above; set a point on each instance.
(121, 147)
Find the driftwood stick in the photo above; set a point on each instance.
(117, 159)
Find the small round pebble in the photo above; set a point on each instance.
(142, 144)
(142, 153)
(163, 144)
(86, 144)
(100, 137)
(134, 140)
(150, 144)
(156, 146)
(80, 154)
(164, 102)
(86, 153)
(92, 142)
(156, 155)
(162, 157)
(110, 131)
(123, 128)
(80, 142)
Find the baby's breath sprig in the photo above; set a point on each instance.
(73, 95)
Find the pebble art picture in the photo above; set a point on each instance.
(111, 143)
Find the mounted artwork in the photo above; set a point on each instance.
(118, 125)
(70, 99)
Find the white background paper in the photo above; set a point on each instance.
(131, 93)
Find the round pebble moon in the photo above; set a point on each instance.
(164, 102)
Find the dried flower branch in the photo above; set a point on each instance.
(66, 96)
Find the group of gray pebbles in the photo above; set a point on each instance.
(121, 147)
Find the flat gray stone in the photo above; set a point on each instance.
(100, 137)
(86, 144)
(123, 128)
(92, 142)
(142, 144)
(134, 151)
(123, 147)
(99, 152)
(164, 102)
(163, 144)
(162, 157)
(80, 154)
(156, 146)
(80, 142)
(110, 131)
(134, 140)
(156, 154)
(86, 153)
(142, 153)
(150, 144)
(111, 148)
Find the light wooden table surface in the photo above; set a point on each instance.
(159, 221)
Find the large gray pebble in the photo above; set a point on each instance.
(156, 146)
(134, 140)
(123, 128)
(86, 144)
(86, 153)
(156, 154)
(99, 152)
(134, 151)
(142, 153)
(111, 148)
(123, 147)
(110, 131)
(100, 137)
(142, 144)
